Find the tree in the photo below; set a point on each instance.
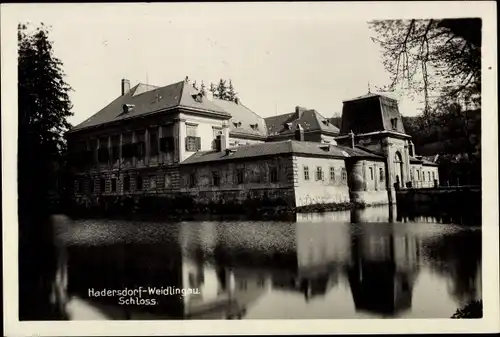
(213, 89)
(195, 85)
(432, 56)
(43, 108)
(222, 90)
(202, 88)
(231, 94)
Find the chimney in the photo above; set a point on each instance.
(298, 111)
(209, 95)
(220, 142)
(411, 148)
(351, 135)
(299, 133)
(125, 86)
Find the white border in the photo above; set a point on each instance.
(11, 14)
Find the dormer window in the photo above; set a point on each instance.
(127, 108)
(325, 147)
(254, 126)
(198, 97)
(237, 124)
(394, 123)
(288, 126)
(326, 122)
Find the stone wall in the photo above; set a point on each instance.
(256, 184)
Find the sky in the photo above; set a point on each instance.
(277, 55)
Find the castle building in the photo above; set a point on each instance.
(175, 140)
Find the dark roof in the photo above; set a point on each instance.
(422, 161)
(310, 120)
(370, 113)
(369, 95)
(149, 99)
(242, 118)
(278, 148)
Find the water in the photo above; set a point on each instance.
(355, 264)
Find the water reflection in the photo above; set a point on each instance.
(360, 263)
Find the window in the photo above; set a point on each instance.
(152, 182)
(273, 174)
(381, 174)
(115, 148)
(371, 173)
(193, 144)
(423, 176)
(215, 178)
(138, 183)
(140, 150)
(102, 185)
(319, 173)
(243, 284)
(332, 173)
(115, 152)
(240, 176)
(192, 180)
(113, 184)
(126, 183)
(127, 150)
(429, 175)
(306, 173)
(344, 174)
(216, 132)
(92, 185)
(394, 123)
(168, 181)
(103, 155)
(433, 176)
(153, 143)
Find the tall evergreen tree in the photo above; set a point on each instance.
(43, 108)
(202, 88)
(231, 94)
(213, 89)
(195, 85)
(222, 90)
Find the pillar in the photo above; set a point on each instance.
(160, 154)
(134, 158)
(148, 150)
(181, 132)
(364, 176)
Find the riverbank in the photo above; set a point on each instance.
(184, 208)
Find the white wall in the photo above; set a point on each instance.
(312, 191)
(205, 130)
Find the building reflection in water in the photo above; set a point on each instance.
(384, 266)
(236, 264)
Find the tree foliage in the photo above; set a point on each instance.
(454, 134)
(223, 90)
(436, 58)
(43, 95)
(43, 109)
